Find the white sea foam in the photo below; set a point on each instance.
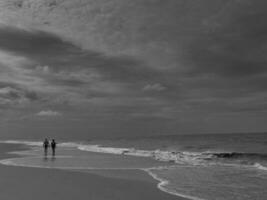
(188, 158)
(99, 149)
(69, 144)
(259, 166)
(193, 158)
(163, 183)
(178, 157)
(167, 156)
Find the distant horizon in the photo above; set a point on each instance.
(67, 139)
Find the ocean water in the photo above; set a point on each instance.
(207, 167)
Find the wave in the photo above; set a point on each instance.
(178, 157)
(163, 185)
(238, 159)
(161, 155)
(234, 155)
(259, 166)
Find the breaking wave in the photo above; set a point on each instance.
(255, 160)
(165, 174)
(192, 158)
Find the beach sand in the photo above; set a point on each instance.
(54, 184)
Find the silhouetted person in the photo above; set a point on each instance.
(53, 146)
(45, 145)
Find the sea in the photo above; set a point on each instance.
(197, 167)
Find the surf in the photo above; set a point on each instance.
(255, 160)
(162, 165)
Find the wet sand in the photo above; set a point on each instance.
(54, 184)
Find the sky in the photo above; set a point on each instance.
(123, 68)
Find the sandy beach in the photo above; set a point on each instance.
(37, 183)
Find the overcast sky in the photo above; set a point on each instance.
(86, 68)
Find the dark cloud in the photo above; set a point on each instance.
(49, 49)
(186, 61)
(31, 95)
(32, 43)
(6, 84)
(236, 46)
(215, 53)
(16, 95)
(67, 74)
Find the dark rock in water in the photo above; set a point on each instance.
(125, 151)
(233, 155)
(228, 155)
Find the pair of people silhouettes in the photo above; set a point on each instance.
(46, 145)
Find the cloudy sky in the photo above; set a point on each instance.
(87, 68)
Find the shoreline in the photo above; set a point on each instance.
(115, 188)
(163, 182)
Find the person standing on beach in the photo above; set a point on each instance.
(53, 146)
(45, 145)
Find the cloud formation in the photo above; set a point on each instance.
(137, 60)
(154, 87)
(9, 95)
(48, 113)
